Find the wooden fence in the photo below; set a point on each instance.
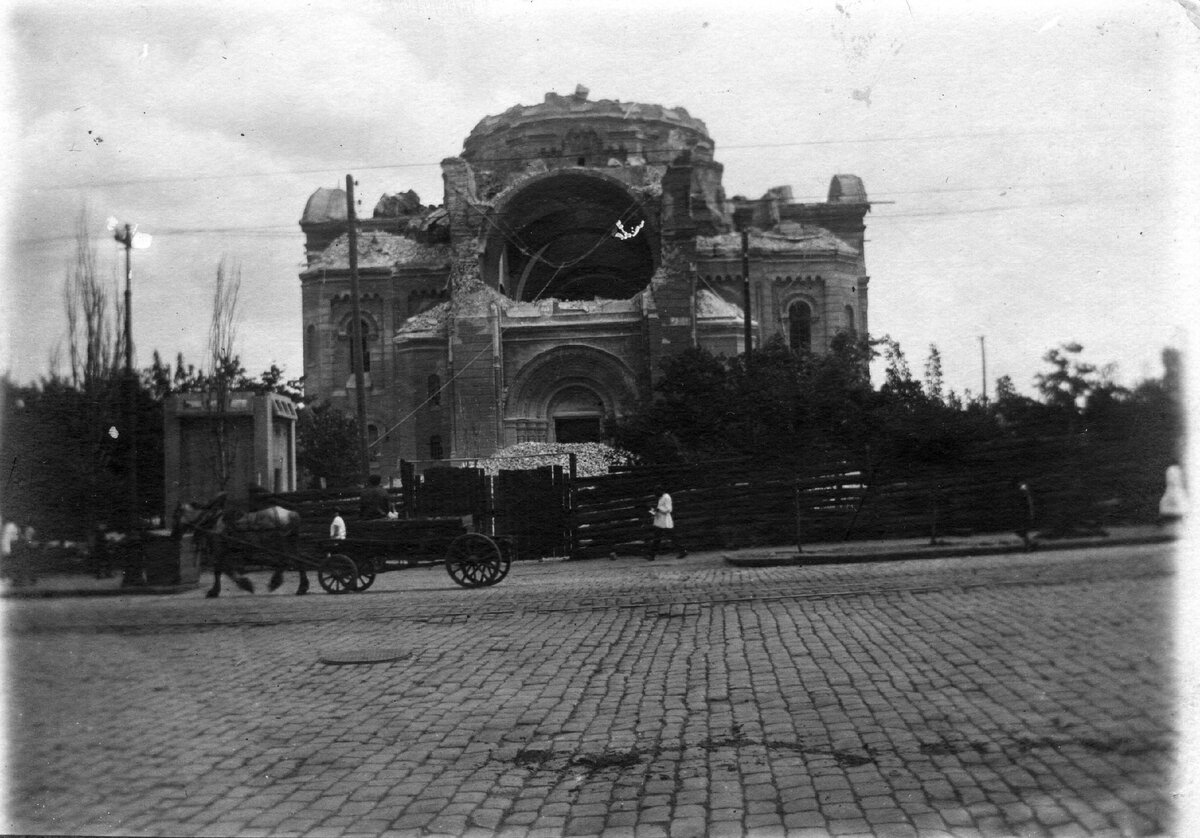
(739, 503)
(1076, 481)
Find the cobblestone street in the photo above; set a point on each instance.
(1011, 695)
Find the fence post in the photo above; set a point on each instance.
(570, 501)
(799, 529)
(408, 489)
(933, 516)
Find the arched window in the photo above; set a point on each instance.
(435, 447)
(310, 344)
(850, 329)
(366, 346)
(800, 327)
(434, 385)
(372, 440)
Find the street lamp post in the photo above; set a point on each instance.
(130, 238)
(125, 237)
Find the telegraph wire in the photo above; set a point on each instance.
(510, 236)
(641, 153)
(975, 210)
(431, 396)
(289, 232)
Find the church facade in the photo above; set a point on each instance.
(577, 244)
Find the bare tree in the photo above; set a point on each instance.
(225, 369)
(93, 336)
(94, 355)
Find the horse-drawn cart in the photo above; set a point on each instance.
(271, 537)
(472, 559)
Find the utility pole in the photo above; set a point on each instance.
(130, 387)
(983, 358)
(741, 219)
(356, 341)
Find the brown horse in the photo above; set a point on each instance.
(218, 530)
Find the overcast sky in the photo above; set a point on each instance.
(1028, 163)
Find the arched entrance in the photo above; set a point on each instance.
(565, 394)
(576, 414)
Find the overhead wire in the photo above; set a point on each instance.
(431, 396)
(641, 152)
(604, 237)
(511, 238)
(288, 231)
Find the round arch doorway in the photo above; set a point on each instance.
(576, 414)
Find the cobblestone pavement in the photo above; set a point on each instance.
(1021, 695)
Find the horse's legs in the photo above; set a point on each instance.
(239, 579)
(303, 589)
(221, 565)
(276, 579)
(215, 590)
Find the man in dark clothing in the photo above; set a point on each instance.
(1021, 504)
(374, 501)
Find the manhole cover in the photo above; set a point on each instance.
(345, 657)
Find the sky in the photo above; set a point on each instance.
(1026, 161)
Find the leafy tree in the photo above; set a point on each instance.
(934, 382)
(783, 405)
(1014, 412)
(327, 445)
(1068, 383)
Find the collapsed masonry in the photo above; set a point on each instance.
(578, 243)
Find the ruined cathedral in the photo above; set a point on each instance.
(578, 243)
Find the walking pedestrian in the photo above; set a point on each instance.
(1174, 502)
(664, 524)
(10, 534)
(22, 557)
(1023, 513)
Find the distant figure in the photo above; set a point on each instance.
(374, 501)
(22, 555)
(100, 554)
(1174, 503)
(1023, 513)
(337, 527)
(8, 537)
(664, 524)
(10, 534)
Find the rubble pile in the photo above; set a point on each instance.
(592, 459)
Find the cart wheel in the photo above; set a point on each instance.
(338, 574)
(474, 561)
(366, 572)
(501, 568)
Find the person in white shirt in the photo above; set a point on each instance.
(664, 524)
(9, 536)
(1173, 505)
(337, 527)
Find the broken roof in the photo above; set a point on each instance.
(377, 249)
(712, 306)
(786, 237)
